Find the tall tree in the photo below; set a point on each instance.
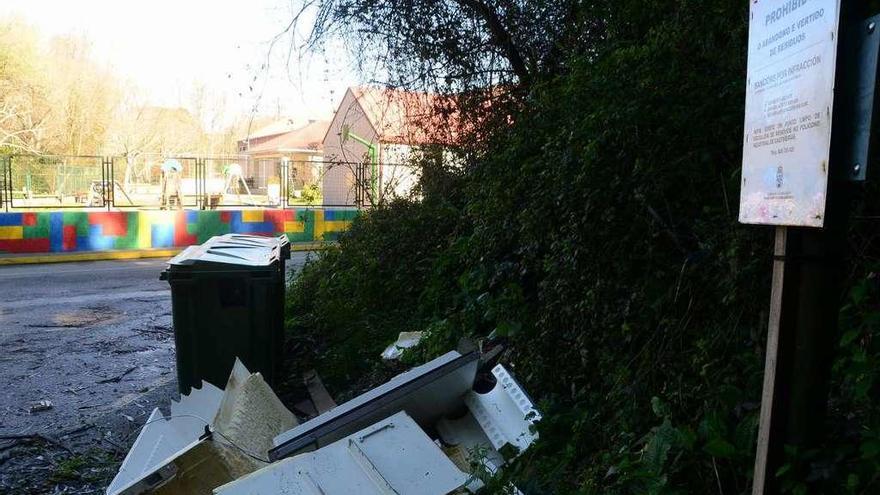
(83, 97)
(459, 44)
(22, 109)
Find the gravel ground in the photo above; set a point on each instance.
(87, 353)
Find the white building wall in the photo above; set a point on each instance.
(341, 158)
(399, 176)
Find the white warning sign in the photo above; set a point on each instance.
(789, 100)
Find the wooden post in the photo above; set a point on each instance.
(808, 269)
(770, 358)
(802, 334)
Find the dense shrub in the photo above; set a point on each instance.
(346, 308)
(311, 193)
(598, 232)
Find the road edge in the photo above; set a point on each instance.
(28, 259)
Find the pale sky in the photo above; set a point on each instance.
(168, 47)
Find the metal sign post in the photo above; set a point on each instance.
(806, 191)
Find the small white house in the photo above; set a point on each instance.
(370, 142)
(301, 147)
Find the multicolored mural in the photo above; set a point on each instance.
(83, 231)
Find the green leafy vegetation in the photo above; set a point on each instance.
(311, 194)
(598, 232)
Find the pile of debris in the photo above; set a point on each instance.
(426, 431)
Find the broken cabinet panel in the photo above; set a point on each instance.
(427, 393)
(392, 456)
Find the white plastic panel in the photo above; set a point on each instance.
(426, 393)
(505, 413)
(393, 456)
(163, 438)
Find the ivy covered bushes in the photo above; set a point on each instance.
(598, 232)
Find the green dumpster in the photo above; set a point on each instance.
(227, 301)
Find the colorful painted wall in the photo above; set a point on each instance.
(84, 231)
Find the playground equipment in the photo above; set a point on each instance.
(95, 195)
(233, 178)
(171, 184)
(372, 152)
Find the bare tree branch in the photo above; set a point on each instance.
(501, 37)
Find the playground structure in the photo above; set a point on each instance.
(30, 182)
(82, 182)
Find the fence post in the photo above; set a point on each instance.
(202, 199)
(4, 161)
(4, 164)
(111, 176)
(105, 183)
(285, 182)
(360, 185)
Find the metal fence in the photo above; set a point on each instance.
(214, 182)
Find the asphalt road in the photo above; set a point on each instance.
(93, 338)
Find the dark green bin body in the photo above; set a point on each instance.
(227, 300)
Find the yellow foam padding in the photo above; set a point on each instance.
(15, 232)
(252, 216)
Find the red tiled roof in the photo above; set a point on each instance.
(275, 128)
(309, 137)
(408, 117)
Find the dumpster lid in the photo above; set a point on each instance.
(253, 240)
(232, 249)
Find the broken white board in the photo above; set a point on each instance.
(506, 413)
(163, 437)
(466, 434)
(246, 414)
(469, 447)
(392, 456)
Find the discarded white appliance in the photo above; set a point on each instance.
(502, 416)
(505, 413)
(425, 431)
(427, 393)
(393, 456)
(211, 437)
(473, 428)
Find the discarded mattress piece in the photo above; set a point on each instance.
(249, 417)
(393, 456)
(180, 453)
(427, 393)
(404, 341)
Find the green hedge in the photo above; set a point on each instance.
(598, 233)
